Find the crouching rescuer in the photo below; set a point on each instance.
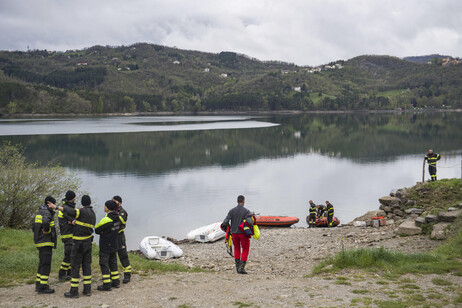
(45, 241)
(237, 216)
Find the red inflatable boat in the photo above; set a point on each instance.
(276, 221)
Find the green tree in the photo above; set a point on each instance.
(24, 186)
(12, 107)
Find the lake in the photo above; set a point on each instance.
(177, 173)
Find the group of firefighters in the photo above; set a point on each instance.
(76, 227)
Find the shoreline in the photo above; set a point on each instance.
(221, 112)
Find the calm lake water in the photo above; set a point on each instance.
(177, 173)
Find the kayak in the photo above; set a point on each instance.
(322, 221)
(210, 233)
(155, 247)
(275, 221)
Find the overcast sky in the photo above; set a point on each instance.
(304, 32)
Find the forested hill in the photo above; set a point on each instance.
(147, 78)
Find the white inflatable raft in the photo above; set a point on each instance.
(210, 233)
(154, 247)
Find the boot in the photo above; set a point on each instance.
(238, 265)
(73, 293)
(115, 283)
(86, 289)
(45, 289)
(63, 276)
(242, 268)
(37, 286)
(127, 277)
(105, 287)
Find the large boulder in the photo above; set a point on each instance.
(389, 201)
(408, 227)
(449, 216)
(440, 231)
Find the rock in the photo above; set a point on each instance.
(389, 201)
(385, 208)
(449, 216)
(439, 231)
(414, 211)
(431, 218)
(420, 221)
(408, 227)
(390, 222)
(369, 215)
(452, 209)
(459, 205)
(399, 212)
(410, 203)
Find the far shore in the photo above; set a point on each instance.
(221, 112)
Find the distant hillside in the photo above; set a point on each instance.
(424, 59)
(150, 78)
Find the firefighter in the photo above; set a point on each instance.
(312, 216)
(431, 159)
(122, 252)
(45, 241)
(330, 213)
(66, 229)
(84, 223)
(108, 229)
(320, 210)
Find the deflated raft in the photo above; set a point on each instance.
(155, 247)
(275, 221)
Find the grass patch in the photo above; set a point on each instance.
(441, 282)
(382, 282)
(458, 299)
(360, 291)
(19, 260)
(410, 286)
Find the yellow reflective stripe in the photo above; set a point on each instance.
(87, 277)
(65, 264)
(115, 277)
(80, 238)
(114, 273)
(87, 282)
(74, 285)
(66, 236)
(83, 224)
(74, 279)
(106, 276)
(60, 214)
(44, 277)
(77, 213)
(45, 244)
(107, 280)
(52, 224)
(122, 220)
(121, 230)
(49, 231)
(104, 221)
(38, 219)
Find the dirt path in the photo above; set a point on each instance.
(279, 265)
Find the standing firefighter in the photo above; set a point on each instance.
(431, 159)
(122, 252)
(45, 241)
(108, 229)
(330, 213)
(312, 217)
(237, 215)
(66, 228)
(84, 220)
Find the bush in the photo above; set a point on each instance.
(24, 186)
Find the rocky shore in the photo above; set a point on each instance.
(279, 267)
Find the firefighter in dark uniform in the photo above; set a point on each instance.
(122, 252)
(84, 223)
(312, 217)
(330, 213)
(108, 229)
(431, 159)
(66, 228)
(45, 241)
(321, 210)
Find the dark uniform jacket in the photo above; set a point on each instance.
(237, 215)
(85, 220)
(65, 228)
(330, 209)
(108, 229)
(313, 210)
(432, 158)
(44, 228)
(123, 218)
